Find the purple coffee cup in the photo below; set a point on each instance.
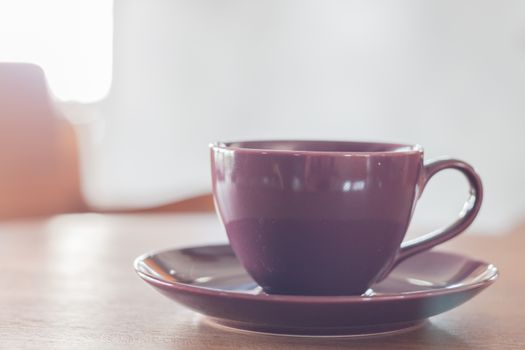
(326, 217)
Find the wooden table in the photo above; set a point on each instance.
(67, 283)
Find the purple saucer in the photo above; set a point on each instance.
(210, 281)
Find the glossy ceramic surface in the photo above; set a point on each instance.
(211, 281)
(325, 217)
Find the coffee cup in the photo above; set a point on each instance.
(326, 217)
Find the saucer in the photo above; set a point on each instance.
(211, 281)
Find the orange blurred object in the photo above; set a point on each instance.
(39, 158)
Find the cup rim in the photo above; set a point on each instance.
(397, 149)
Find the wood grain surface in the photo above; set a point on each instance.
(67, 282)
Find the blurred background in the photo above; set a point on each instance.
(120, 99)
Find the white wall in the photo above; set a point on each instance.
(447, 74)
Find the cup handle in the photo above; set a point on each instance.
(466, 216)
